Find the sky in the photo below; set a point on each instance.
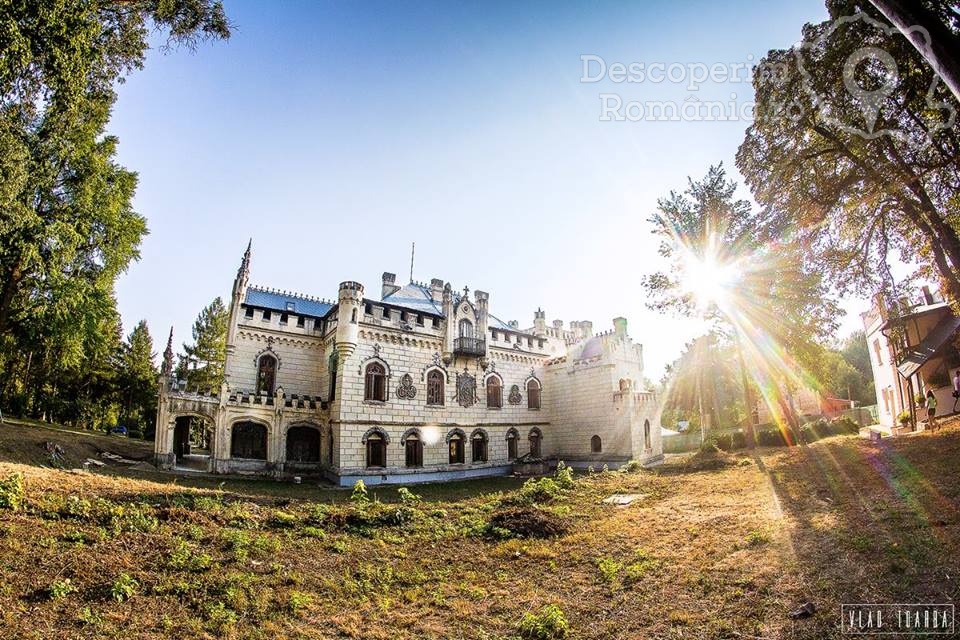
(335, 134)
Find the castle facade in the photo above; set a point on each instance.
(423, 384)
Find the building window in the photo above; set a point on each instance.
(456, 449)
(248, 440)
(435, 388)
(284, 318)
(303, 444)
(368, 309)
(494, 392)
(332, 370)
(493, 335)
(386, 313)
(266, 315)
(419, 319)
(413, 449)
(478, 446)
(375, 383)
(512, 438)
(534, 439)
(533, 394)
(436, 323)
(466, 328)
(376, 451)
(300, 321)
(876, 349)
(596, 446)
(353, 316)
(646, 434)
(266, 374)
(248, 312)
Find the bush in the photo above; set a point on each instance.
(771, 438)
(537, 490)
(549, 624)
(407, 497)
(526, 522)
(359, 495)
(123, 587)
(60, 589)
(564, 476)
(12, 492)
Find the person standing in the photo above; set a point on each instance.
(931, 410)
(956, 390)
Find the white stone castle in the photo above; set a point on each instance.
(424, 384)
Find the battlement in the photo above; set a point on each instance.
(291, 294)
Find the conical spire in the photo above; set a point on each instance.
(243, 273)
(167, 369)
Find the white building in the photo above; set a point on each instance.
(423, 384)
(912, 350)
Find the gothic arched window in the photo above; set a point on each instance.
(456, 449)
(596, 445)
(478, 446)
(512, 438)
(266, 374)
(435, 388)
(494, 392)
(375, 383)
(413, 450)
(646, 434)
(533, 394)
(466, 328)
(248, 440)
(376, 450)
(535, 440)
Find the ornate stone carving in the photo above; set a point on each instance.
(376, 350)
(406, 389)
(466, 389)
(515, 396)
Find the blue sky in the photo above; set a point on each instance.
(336, 133)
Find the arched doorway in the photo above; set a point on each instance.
(303, 444)
(192, 442)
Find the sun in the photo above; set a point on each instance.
(708, 280)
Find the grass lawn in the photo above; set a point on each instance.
(722, 552)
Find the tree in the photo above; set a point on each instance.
(67, 224)
(138, 379)
(940, 20)
(203, 362)
(725, 265)
(854, 185)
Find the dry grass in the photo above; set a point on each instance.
(712, 553)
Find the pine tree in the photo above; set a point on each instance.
(202, 365)
(138, 380)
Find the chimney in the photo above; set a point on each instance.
(586, 328)
(388, 285)
(558, 325)
(436, 289)
(927, 295)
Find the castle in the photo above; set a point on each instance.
(424, 384)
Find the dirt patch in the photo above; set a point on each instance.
(529, 522)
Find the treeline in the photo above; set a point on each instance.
(67, 224)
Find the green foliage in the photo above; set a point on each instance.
(298, 601)
(854, 195)
(137, 384)
(124, 587)
(548, 624)
(184, 557)
(68, 225)
(359, 495)
(564, 476)
(609, 568)
(12, 492)
(60, 589)
(203, 361)
(407, 497)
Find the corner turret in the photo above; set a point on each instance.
(350, 299)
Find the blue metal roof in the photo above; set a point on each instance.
(282, 301)
(416, 297)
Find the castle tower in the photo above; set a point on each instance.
(539, 322)
(350, 299)
(236, 299)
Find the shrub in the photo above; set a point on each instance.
(548, 624)
(609, 568)
(632, 467)
(283, 520)
(60, 589)
(124, 587)
(536, 490)
(771, 438)
(314, 532)
(563, 476)
(407, 497)
(757, 537)
(184, 558)
(12, 492)
(359, 495)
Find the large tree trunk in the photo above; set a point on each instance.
(941, 49)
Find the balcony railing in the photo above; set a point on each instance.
(469, 346)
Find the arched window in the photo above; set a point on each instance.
(466, 328)
(478, 446)
(596, 446)
(646, 434)
(512, 438)
(413, 450)
(534, 439)
(332, 372)
(266, 374)
(533, 393)
(303, 444)
(435, 387)
(375, 383)
(353, 317)
(456, 448)
(494, 392)
(376, 450)
(248, 440)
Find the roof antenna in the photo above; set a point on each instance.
(413, 247)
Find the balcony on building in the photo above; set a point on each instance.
(468, 346)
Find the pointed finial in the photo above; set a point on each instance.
(168, 356)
